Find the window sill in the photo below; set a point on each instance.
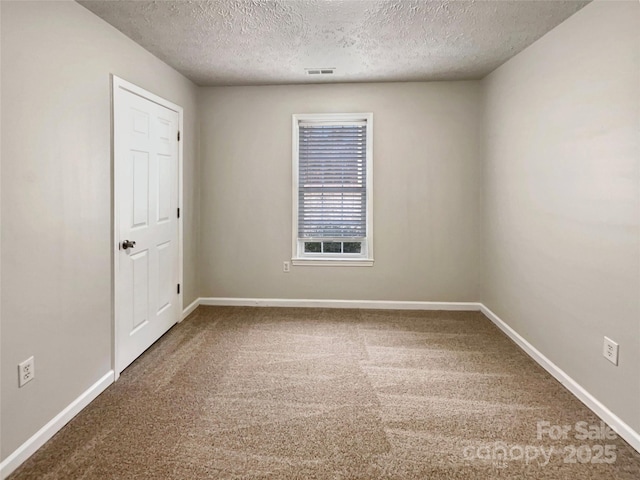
(333, 262)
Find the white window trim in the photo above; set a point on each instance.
(325, 260)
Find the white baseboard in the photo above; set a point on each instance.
(307, 303)
(28, 448)
(620, 427)
(192, 306)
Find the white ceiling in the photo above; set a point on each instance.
(251, 42)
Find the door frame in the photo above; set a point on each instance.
(119, 83)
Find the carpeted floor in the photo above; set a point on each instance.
(271, 393)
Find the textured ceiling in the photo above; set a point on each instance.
(250, 42)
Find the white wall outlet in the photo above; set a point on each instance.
(286, 267)
(610, 351)
(26, 371)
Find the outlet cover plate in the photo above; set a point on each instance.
(26, 371)
(610, 350)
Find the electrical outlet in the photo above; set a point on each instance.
(286, 267)
(26, 371)
(610, 351)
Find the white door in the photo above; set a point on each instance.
(146, 221)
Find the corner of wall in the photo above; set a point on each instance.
(482, 154)
(198, 187)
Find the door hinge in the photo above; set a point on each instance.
(178, 289)
(178, 135)
(178, 213)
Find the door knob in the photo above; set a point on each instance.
(127, 244)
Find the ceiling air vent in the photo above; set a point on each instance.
(320, 71)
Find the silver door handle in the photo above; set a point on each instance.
(127, 244)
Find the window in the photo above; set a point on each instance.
(332, 189)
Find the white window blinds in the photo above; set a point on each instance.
(332, 187)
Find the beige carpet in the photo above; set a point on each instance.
(270, 393)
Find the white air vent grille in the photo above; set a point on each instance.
(320, 71)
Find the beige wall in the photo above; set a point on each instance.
(562, 197)
(426, 191)
(56, 200)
